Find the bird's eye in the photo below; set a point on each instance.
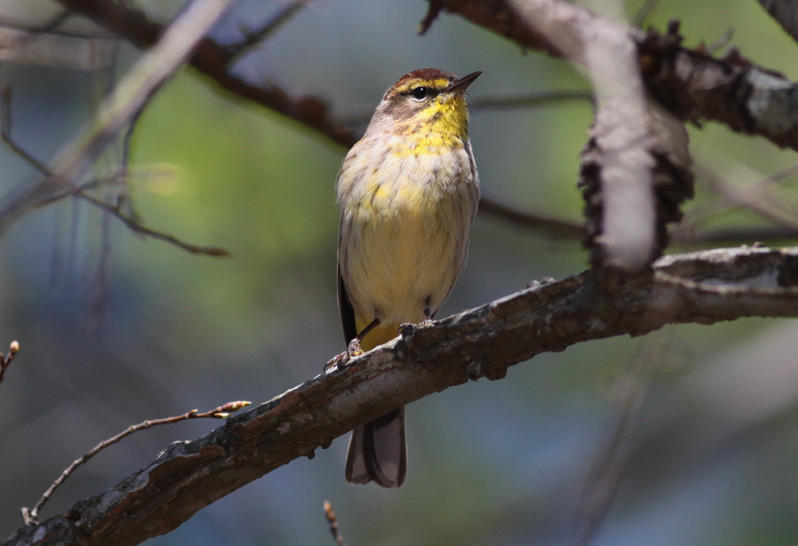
(419, 93)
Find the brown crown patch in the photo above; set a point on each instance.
(424, 74)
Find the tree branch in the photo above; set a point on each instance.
(690, 83)
(702, 287)
(785, 12)
(693, 85)
(215, 61)
(122, 106)
(221, 412)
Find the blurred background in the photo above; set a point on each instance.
(116, 328)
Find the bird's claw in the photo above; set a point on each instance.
(342, 359)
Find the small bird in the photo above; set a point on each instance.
(408, 192)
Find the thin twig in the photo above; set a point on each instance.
(149, 73)
(50, 27)
(552, 228)
(222, 412)
(684, 233)
(5, 133)
(131, 223)
(213, 59)
(721, 42)
(644, 12)
(252, 38)
(69, 189)
(333, 522)
(628, 392)
(532, 100)
(755, 197)
(700, 213)
(5, 360)
(735, 235)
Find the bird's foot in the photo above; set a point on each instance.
(342, 359)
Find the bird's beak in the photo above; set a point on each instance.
(462, 84)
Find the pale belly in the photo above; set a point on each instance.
(406, 258)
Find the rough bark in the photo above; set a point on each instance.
(702, 287)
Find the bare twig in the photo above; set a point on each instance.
(132, 224)
(756, 197)
(684, 233)
(45, 198)
(214, 60)
(50, 27)
(45, 192)
(49, 45)
(149, 73)
(221, 412)
(735, 235)
(252, 38)
(645, 12)
(5, 360)
(333, 523)
(721, 42)
(533, 100)
(5, 133)
(552, 228)
(628, 393)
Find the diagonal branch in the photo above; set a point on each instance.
(785, 12)
(703, 287)
(215, 61)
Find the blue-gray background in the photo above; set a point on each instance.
(500, 463)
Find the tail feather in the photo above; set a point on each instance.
(378, 451)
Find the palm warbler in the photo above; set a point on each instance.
(408, 193)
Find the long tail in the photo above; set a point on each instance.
(378, 451)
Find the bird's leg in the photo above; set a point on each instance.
(427, 316)
(353, 349)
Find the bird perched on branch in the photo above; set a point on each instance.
(408, 192)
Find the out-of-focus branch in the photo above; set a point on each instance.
(644, 12)
(785, 12)
(685, 234)
(215, 61)
(548, 227)
(628, 393)
(702, 287)
(51, 189)
(689, 83)
(48, 45)
(252, 38)
(127, 99)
